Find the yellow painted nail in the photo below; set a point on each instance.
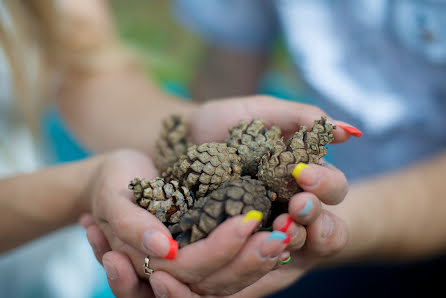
(299, 168)
(253, 214)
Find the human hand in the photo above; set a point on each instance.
(118, 224)
(210, 122)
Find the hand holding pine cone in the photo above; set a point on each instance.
(202, 185)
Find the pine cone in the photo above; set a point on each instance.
(305, 146)
(172, 142)
(168, 201)
(234, 197)
(252, 141)
(204, 168)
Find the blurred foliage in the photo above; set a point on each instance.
(169, 51)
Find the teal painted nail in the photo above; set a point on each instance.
(307, 208)
(276, 235)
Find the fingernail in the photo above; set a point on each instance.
(306, 209)
(110, 270)
(351, 130)
(327, 228)
(157, 244)
(305, 175)
(274, 245)
(284, 260)
(158, 288)
(287, 224)
(249, 222)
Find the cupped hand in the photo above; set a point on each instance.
(210, 122)
(206, 266)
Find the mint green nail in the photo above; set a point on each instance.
(276, 235)
(286, 261)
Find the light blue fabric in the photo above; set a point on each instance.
(378, 64)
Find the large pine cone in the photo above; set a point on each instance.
(235, 197)
(252, 141)
(204, 168)
(172, 142)
(305, 146)
(168, 201)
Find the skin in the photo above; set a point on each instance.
(90, 104)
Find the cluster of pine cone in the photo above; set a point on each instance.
(201, 186)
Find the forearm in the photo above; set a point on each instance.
(122, 106)
(38, 203)
(397, 217)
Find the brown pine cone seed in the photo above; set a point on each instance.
(204, 168)
(305, 146)
(172, 142)
(168, 201)
(233, 198)
(252, 140)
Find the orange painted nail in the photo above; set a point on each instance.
(351, 130)
(172, 250)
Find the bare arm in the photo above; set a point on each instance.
(35, 204)
(399, 216)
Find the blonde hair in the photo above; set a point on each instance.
(43, 39)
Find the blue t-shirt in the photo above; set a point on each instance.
(377, 64)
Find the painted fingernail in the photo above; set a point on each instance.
(158, 244)
(305, 175)
(327, 226)
(249, 222)
(274, 245)
(306, 209)
(286, 261)
(351, 130)
(158, 287)
(110, 270)
(287, 224)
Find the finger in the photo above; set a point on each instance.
(285, 224)
(304, 208)
(326, 236)
(289, 116)
(326, 182)
(260, 255)
(86, 220)
(122, 277)
(164, 285)
(272, 282)
(139, 228)
(98, 242)
(197, 260)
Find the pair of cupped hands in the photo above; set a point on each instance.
(231, 261)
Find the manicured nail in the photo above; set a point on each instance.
(305, 175)
(299, 168)
(249, 222)
(306, 209)
(157, 244)
(274, 245)
(286, 261)
(110, 270)
(351, 130)
(287, 224)
(158, 287)
(327, 228)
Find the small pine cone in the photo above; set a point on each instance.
(204, 168)
(252, 141)
(233, 198)
(305, 146)
(168, 201)
(172, 142)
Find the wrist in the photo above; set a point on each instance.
(86, 175)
